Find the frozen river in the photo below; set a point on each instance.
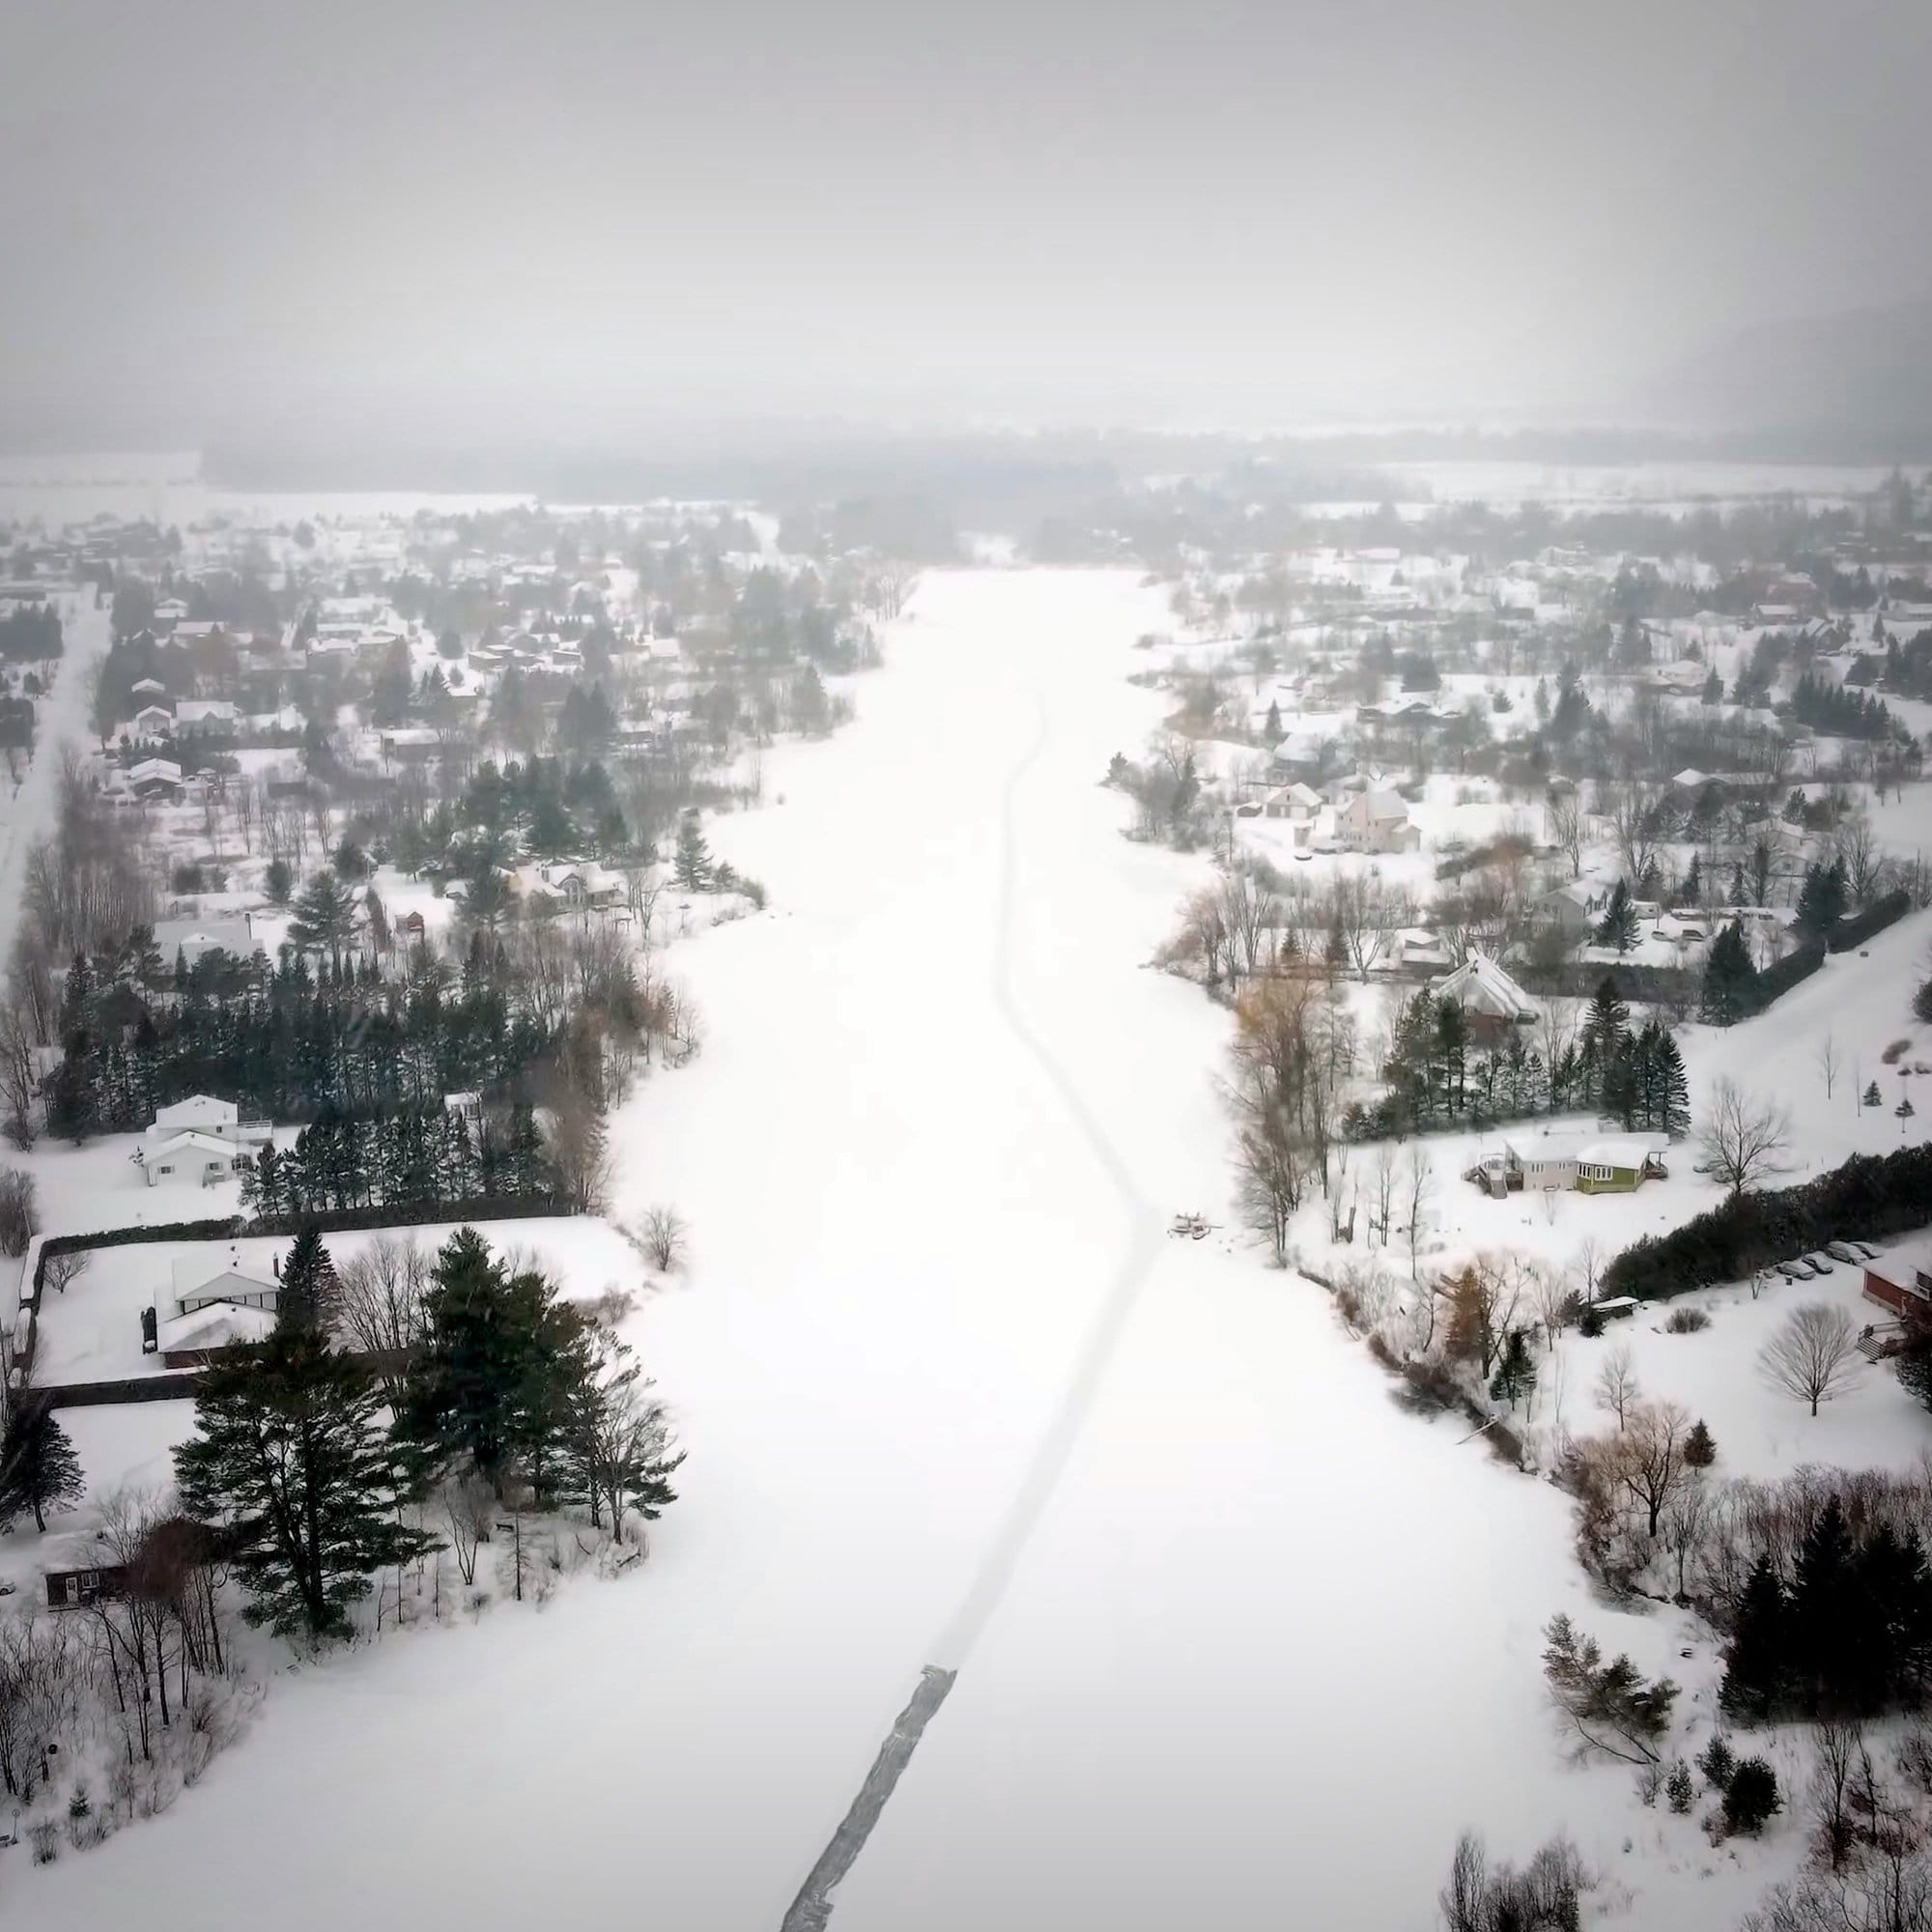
(1270, 1644)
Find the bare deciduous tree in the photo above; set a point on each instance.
(376, 1304)
(1743, 1140)
(1418, 1191)
(58, 1270)
(1813, 1356)
(1618, 1391)
(1829, 1062)
(665, 1239)
(1565, 812)
(1650, 1457)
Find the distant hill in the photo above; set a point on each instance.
(1863, 378)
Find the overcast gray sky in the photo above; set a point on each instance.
(1201, 212)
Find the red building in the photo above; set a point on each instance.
(1901, 1278)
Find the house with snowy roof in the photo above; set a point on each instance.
(1587, 1164)
(1490, 1000)
(201, 1139)
(1377, 821)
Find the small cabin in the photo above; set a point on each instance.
(82, 1589)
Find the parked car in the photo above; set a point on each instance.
(1793, 1272)
(1867, 1250)
(1818, 1264)
(1841, 1251)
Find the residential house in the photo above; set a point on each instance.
(1377, 821)
(1295, 802)
(1587, 1164)
(82, 1589)
(1573, 910)
(1491, 1001)
(199, 1138)
(1900, 1279)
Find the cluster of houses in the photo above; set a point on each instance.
(1357, 814)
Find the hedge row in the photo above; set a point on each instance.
(1781, 975)
(1640, 985)
(1870, 1198)
(418, 1215)
(1875, 918)
(169, 1387)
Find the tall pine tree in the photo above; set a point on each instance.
(38, 1471)
(289, 1453)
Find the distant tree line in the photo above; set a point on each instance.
(281, 1040)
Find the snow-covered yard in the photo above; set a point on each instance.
(92, 1332)
(1760, 1429)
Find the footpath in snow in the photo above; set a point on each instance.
(1271, 1643)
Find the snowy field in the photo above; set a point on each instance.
(1273, 1642)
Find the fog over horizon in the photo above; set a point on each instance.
(506, 222)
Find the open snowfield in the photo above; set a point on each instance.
(1271, 1643)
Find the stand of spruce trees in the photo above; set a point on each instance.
(1439, 1078)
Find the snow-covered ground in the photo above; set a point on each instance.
(1273, 1642)
(27, 815)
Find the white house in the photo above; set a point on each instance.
(199, 1138)
(1376, 821)
(1296, 801)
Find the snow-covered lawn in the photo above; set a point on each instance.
(1760, 1429)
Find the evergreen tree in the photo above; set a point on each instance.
(288, 1452)
(308, 1285)
(1758, 1664)
(616, 1449)
(324, 921)
(1604, 1047)
(1516, 1372)
(1730, 980)
(38, 1471)
(1271, 732)
(693, 865)
(1692, 894)
(501, 1362)
(1750, 1798)
(1619, 923)
(1821, 899)
(1672, 1086)
(1699, 1449)
(1825, 1619)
